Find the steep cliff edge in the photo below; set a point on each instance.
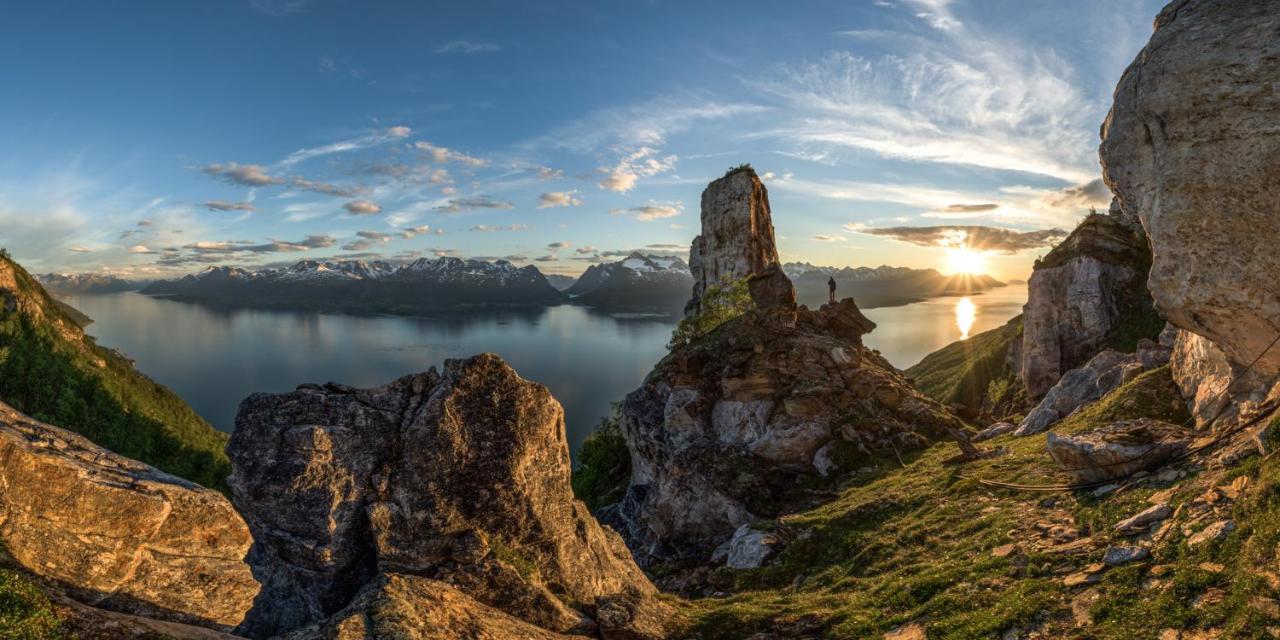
(1190, 147)
(116, 534)
(741, 416)
(52, 371)
(1087, 294)
(453, 485)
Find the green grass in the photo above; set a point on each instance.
(66, 380)
(603, 466)
(25, 612)
(963, 372)
(914, 544)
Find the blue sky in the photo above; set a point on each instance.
(152, 138)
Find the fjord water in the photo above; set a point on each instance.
(215, 357)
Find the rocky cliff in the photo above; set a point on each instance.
(1190, 147)
(117, 534)
(729, 426)
(737, 233)
(1087, 294)
(448, 486)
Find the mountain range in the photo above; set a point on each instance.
(882, 286)
(86, 283)
(637, 282)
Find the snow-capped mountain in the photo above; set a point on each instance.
(637, 282)
(882, 286)
(425, 284)
(85, 283)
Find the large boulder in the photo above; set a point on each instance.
(461, 476)
(117, 534)
(1087, 294)
(1190, 146)
(1119, 449)
(737, 234)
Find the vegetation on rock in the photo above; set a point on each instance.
(719, 305)
(602, 466)
(51, 371)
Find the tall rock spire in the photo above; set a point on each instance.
(737, 233)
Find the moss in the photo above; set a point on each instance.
(603, 466)
(25, 610)
(963, 372)
(523, 565)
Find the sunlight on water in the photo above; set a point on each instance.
(966, 312)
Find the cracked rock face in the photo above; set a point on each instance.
(1191, 145)
(1088, 290)
(117, 534)
(460, 476)
(737, 234)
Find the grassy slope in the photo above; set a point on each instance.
(962, 371)
(77, 385)
(915, 544)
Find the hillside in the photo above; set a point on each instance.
(50, 370)
(637, 283)
(973, 371)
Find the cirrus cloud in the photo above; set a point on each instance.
(973, 237)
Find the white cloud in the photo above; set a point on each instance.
(558, 199)
(362, 207)
(642, 162)
(223, 205)
(442, 155)
(650, 212)
(485, 228)
(140, 248)
(246, 175)
(822, 237)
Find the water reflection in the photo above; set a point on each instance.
(966, 313)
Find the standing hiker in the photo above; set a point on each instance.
(831, 289)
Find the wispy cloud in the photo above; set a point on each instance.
(963, 97)
(223, 205)
(468, 46)
(442, 155)
(651, 211)
(390, 134)
(456, 205)
(485, 228)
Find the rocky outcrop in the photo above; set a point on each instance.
(1190, 147)
(1087, 294)
(737, 233)
(1119, 449)
(1217, 390)
(459, 476)
(119, 535)
(725, 427)
(1098, 377)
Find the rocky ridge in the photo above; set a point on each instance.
(441, 487)
(723, 429)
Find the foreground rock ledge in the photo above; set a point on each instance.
(117, 534)
(459, 479)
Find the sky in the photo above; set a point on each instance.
(155, 138)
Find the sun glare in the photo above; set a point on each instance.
(966, 261)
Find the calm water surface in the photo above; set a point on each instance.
(214, 358)
(906, 334)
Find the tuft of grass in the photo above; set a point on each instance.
(719, 304)
(25, 611)
(746, 166)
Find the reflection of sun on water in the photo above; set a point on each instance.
(966, 311)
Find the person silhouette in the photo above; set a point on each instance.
(831, 289)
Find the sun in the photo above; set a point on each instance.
(966, 261)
